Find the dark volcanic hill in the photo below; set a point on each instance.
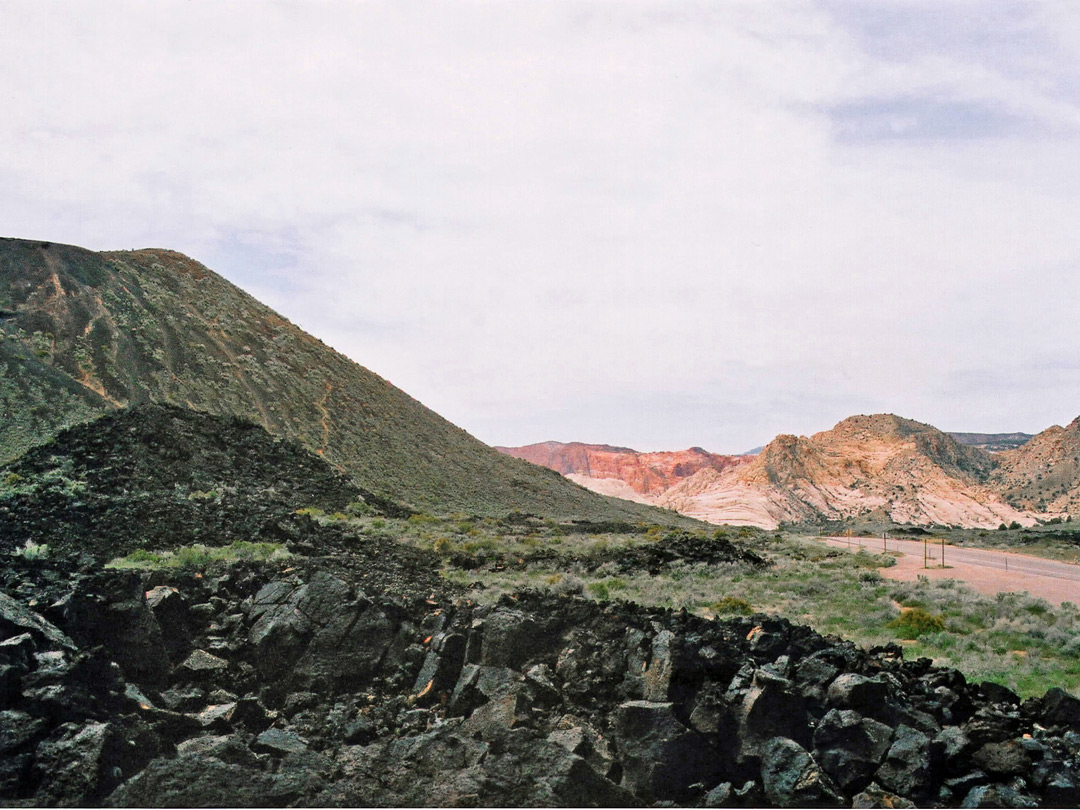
(85, 332)
(157, 476)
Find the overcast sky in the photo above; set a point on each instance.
(652, 224)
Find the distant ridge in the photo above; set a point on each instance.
(646, 474)
(994, 442)
(82, 333)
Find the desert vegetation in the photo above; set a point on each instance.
(1015, 640)
(198, 556)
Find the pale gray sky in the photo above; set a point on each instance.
(655, 224)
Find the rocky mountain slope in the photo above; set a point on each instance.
(883, 465)
(1044, 474)
(907, 471)
(85, 332)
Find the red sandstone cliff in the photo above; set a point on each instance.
(648, 474)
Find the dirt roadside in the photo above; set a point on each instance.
(986, 570)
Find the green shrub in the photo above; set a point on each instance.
(33, 551)
(192, 557)
(915, 622)
(599, 590)
(141, 555)
(732, 605)
(358, 508)
(199, 556)
(247, 550)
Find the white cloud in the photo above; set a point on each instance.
(545, 219)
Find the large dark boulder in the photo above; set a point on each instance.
(510, 638)
(199, 780)
(1003, 759)
(769, 709)
(1058, 782)
(867, 696)
(441, 668)
(997, 796)
(170, 609)
(793, 779)
(661, 758)
(318, 634)
(110, 610)
(907, 769)
(442, 767)
(850, 747)
(1059, 708)
(17, 619)
(80, 765)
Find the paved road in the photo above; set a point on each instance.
(985, 570)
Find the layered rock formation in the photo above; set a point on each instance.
(906, 471)
(646, 474)
(893, 468)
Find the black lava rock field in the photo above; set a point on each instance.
(350, 674)
(163, 475)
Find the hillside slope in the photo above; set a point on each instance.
(1044, 474)
(37, 400)
(155, 326)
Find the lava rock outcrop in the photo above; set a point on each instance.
(162, 473)
(256, 684)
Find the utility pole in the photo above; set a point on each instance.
(942, 552)
(924, 541)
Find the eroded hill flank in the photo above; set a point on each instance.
(1044, 474)
(140, 326)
